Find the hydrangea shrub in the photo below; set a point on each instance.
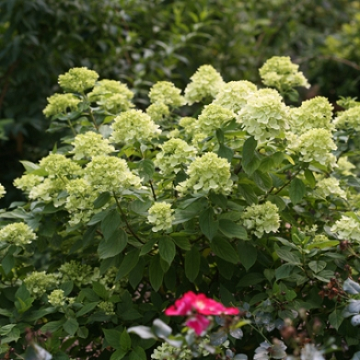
(228, 190)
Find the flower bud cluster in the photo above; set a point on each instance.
(213, 117)
(329, 186)
(17, 233)
(347, 228)
(348, 119)
(208, 172)
(38, 282)
(161, 215)
(133, 125)
(2, 191)
(165, 92)
(344, 166)
(262, 218)
(158, 111)
(80, 274)
(206, 82)
(107, 307)
(264, 116)
(57, 298)
(78, 80)
(175, 155)
(27, 182)
(60, 104)
(279, 72)
(57, 165)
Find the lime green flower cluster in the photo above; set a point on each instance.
(48, 191)
(90, 144)
(27, 182)
(2, 191)
(347, 228)
(175, 154)
(206, 173)
(38, 282)
(60, 103)
(158, 111)
(17, 234)
(161, 215)
(329, 186)
(58, 165)
(315, 145)
(112, 95)
(265, 115)
(80, 274)
(165, 92)
(261, 218)
(189, 125)
(57, 298)
(313, 113)
(279, 72)
(344, 166)
(107, 307)
(234, 94)
(348, 119)
(206, 82)
(109, 173)
(133, 125)
(213, 117)
(78, 80)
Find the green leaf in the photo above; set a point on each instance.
(8, 263)
(71, 325)
(97, 218)
(167, 249)
(87, 308)
(251, 279)
(309, 176)
(156, 273)
(232, 230)
(336, 318)
(248, 193)
(207, 223)
(220, 136)
(225, 152)
(138, 354)
(247, 254)
(288, 256)
(263, 180)
(112, 337)
(129, 262)
(182, 242)
(317, 266)
(248, 150)
(146, 169)
(125, 341)
(110, 223)
(102, 199)
(192, 263)
(100, 290)
(223, 249)
(297, 190)
(29, 166)
(283, 271)
(118, 354)
(147, 247)
(113, 245)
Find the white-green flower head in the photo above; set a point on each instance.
(158, 111)
(59, 104)
(348, 119)
(166, 93)
(133, 125)
(345, 167)
(58, 165)
(2, 191)
(80, 274)
(90, 144)
(264, 116)
(279, 72)
(78, 80)
(17, 234)
(260, 219)
(329, 186)
(27, 182)
(189, 124)
(313, 113)
(107, 307)
(206, 82)
(113, 95)
(208, 172)
(347, 228)
(48, 191)
(161, 216)
(213, 117)
(109, 173)
(234, 94)
(175, 155)
(38, 282)
(57, 298)
(316, 145)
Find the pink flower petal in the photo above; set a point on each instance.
(198, 323)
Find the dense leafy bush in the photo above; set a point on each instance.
(225, 190)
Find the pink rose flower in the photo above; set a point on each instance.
(198, 323)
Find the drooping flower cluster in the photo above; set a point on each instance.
(57, 298)
(206, 82)
(347, 228)
(329, 186)
(109, 173)
(208, 172)
(262, 218)
(279, 72)
(133, 125)
(90, 144)
(213, 117)
(165, 92)
(78, 80)
(197, 307)
(234, 94)
(38, 282)
(348, 119)
(2, 191)
(161, 215)
(264, 116)
(113, 95)
(17, 233)
(313, 113)
(60, 104)
(175, 154)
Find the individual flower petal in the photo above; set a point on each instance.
(198, 323)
